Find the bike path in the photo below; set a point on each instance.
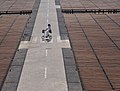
(43, 69)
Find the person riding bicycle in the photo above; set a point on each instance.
(47, 31)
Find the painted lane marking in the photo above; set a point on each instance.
(45, 72)
(34, 39)
(48, 12)
(57, 6)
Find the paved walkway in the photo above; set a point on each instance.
(43, 69)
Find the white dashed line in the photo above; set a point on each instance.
(48, 12)
(45, 72)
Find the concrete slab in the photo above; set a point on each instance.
(44, 67)
(9, 86)
(73, 80)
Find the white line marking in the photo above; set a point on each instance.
(57, 6)
(48, 12)
(45, 72)
(58, 39)
(46, 52)
(35, 39)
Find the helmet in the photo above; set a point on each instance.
(49, 25)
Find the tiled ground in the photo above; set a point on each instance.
(90, 4)
(95, 40)
(11, 29)
(16, 5)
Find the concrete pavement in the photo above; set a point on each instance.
(43, 69)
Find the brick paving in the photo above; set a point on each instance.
(11, 29)
(96, 45)
(16, 5)
(90, 4)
